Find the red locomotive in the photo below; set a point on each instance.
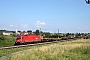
(24, 38)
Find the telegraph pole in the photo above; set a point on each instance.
(58, 33)
(40, 31)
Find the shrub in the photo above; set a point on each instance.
(7, 40)
(1, 37)
(14, 35)
(88, 36)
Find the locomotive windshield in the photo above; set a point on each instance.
(18, 38)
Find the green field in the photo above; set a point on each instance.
(70, 50)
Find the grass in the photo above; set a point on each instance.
(70, 50)
(7, 41)
(9, 51)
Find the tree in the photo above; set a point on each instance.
(67, 34)
(23, 31)
(37, 32)
(19, 31)
(54, 36)
(72, 33)
(79, 34)
(47, 34)
(29, 31)
(13, 31)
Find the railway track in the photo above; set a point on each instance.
(19, 46)
(10, 47)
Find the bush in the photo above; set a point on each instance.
(7, 40)
(1, 33)
(14, 35)
(1, 37)
(88, 36)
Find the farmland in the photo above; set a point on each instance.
(70, 50)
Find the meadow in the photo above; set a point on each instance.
(69, 50)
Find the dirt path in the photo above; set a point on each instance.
(4, 57)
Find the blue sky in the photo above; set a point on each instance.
(49, 15)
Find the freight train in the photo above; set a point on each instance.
(23, 38)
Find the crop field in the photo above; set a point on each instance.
(69, 50)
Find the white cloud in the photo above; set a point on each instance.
(24, 26)
(16, 26)
(11, 25)
(40, 24)
(83, 28)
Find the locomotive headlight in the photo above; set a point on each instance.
(36, 38)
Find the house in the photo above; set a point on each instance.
(7, 33)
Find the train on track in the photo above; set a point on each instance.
(23, 38)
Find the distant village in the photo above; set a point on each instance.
(6, 32)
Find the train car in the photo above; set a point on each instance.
(23, 39)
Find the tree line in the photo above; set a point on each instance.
(50, 35)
